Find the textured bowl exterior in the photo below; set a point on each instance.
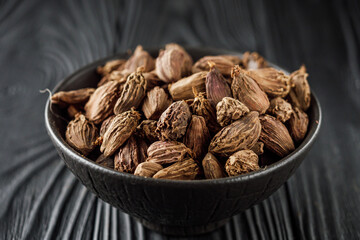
(166, 205)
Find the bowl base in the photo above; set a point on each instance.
(182, 230)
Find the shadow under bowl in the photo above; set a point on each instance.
(174, 207)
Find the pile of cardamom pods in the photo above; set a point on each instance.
(171, 118)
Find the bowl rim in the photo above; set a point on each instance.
(60, 142)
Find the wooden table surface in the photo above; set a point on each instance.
(41, 42)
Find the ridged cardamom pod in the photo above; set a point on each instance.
(167, 152)
(173, 63)
(140, 58)
(110, 66)
(120, 129)
(155, 102)
(216, 85)
(183, 89)
(229, 110)
(212, 167)
(197, 137)
(253, 61)
(132, 94)
(184, 170)
(242, 162)
(298, 125)
(280, 108)
(130, 155)
(65, 98)
(173, 121)
(272, 81)
(223, 64)
(147, 130)
(300, 95)
(275, 136)
(102, 101)
(105, 124)
(241, 134)
(147, 169)
(81, 134)
(247, 91)
(105, 161)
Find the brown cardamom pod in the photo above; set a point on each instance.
(155, 102)
(105, 125)
(173, 63)
(281, 109)
(241, 162)
(102, 101)
(241, 134)
(247, 91)
(147, 130)
(133, 92)
(229, 110)
(110, 66)
(216, 85)
(275, 136)
(140, 58)
(197, 137)
(212, 167)
(173, 121)
(130, 155)
(167, 152)
(65, 98)
(113, 76)
(258, 148)
(253, 61)
(272, 81)
(298, 125)
(120, 129)
(147, 169)
(183, 89)
(105, 161)
(300, 92)
(152, 80)
(81, 134)
(184, 170)
(223, 64)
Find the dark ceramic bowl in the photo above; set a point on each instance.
(174, 207)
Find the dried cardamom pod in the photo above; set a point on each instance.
(102, 101)
(120, 129)
(204, 107)
(140, 58)
(81, 134)
(298, 125)
(147, 130)
(275, 136)
(258, 148)
(65, 98)
(105, 161)
(72, 111)
(280, 108)
(167, 152)
(247, 91)
(110, 66)
(184, 170)
(229, 110)
(130, 155)
(253, 61)
(216, 85)
(113, 76)
(152, 80)
(173, 63)
(133, 92)
(241, 134)
(272, 81)
(197, 137)
(147, 169)
(241, 162)
(183, 89)
(173, 121)
(212, 167)
(155, 102)
(234, 59)
(300, 92)
(223, 64)
(105, 125)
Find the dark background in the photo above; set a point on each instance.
(41, 42)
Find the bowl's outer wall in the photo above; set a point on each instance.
(182, 203)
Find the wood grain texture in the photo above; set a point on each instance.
(41, 42)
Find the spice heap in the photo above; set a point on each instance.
(172, 118)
